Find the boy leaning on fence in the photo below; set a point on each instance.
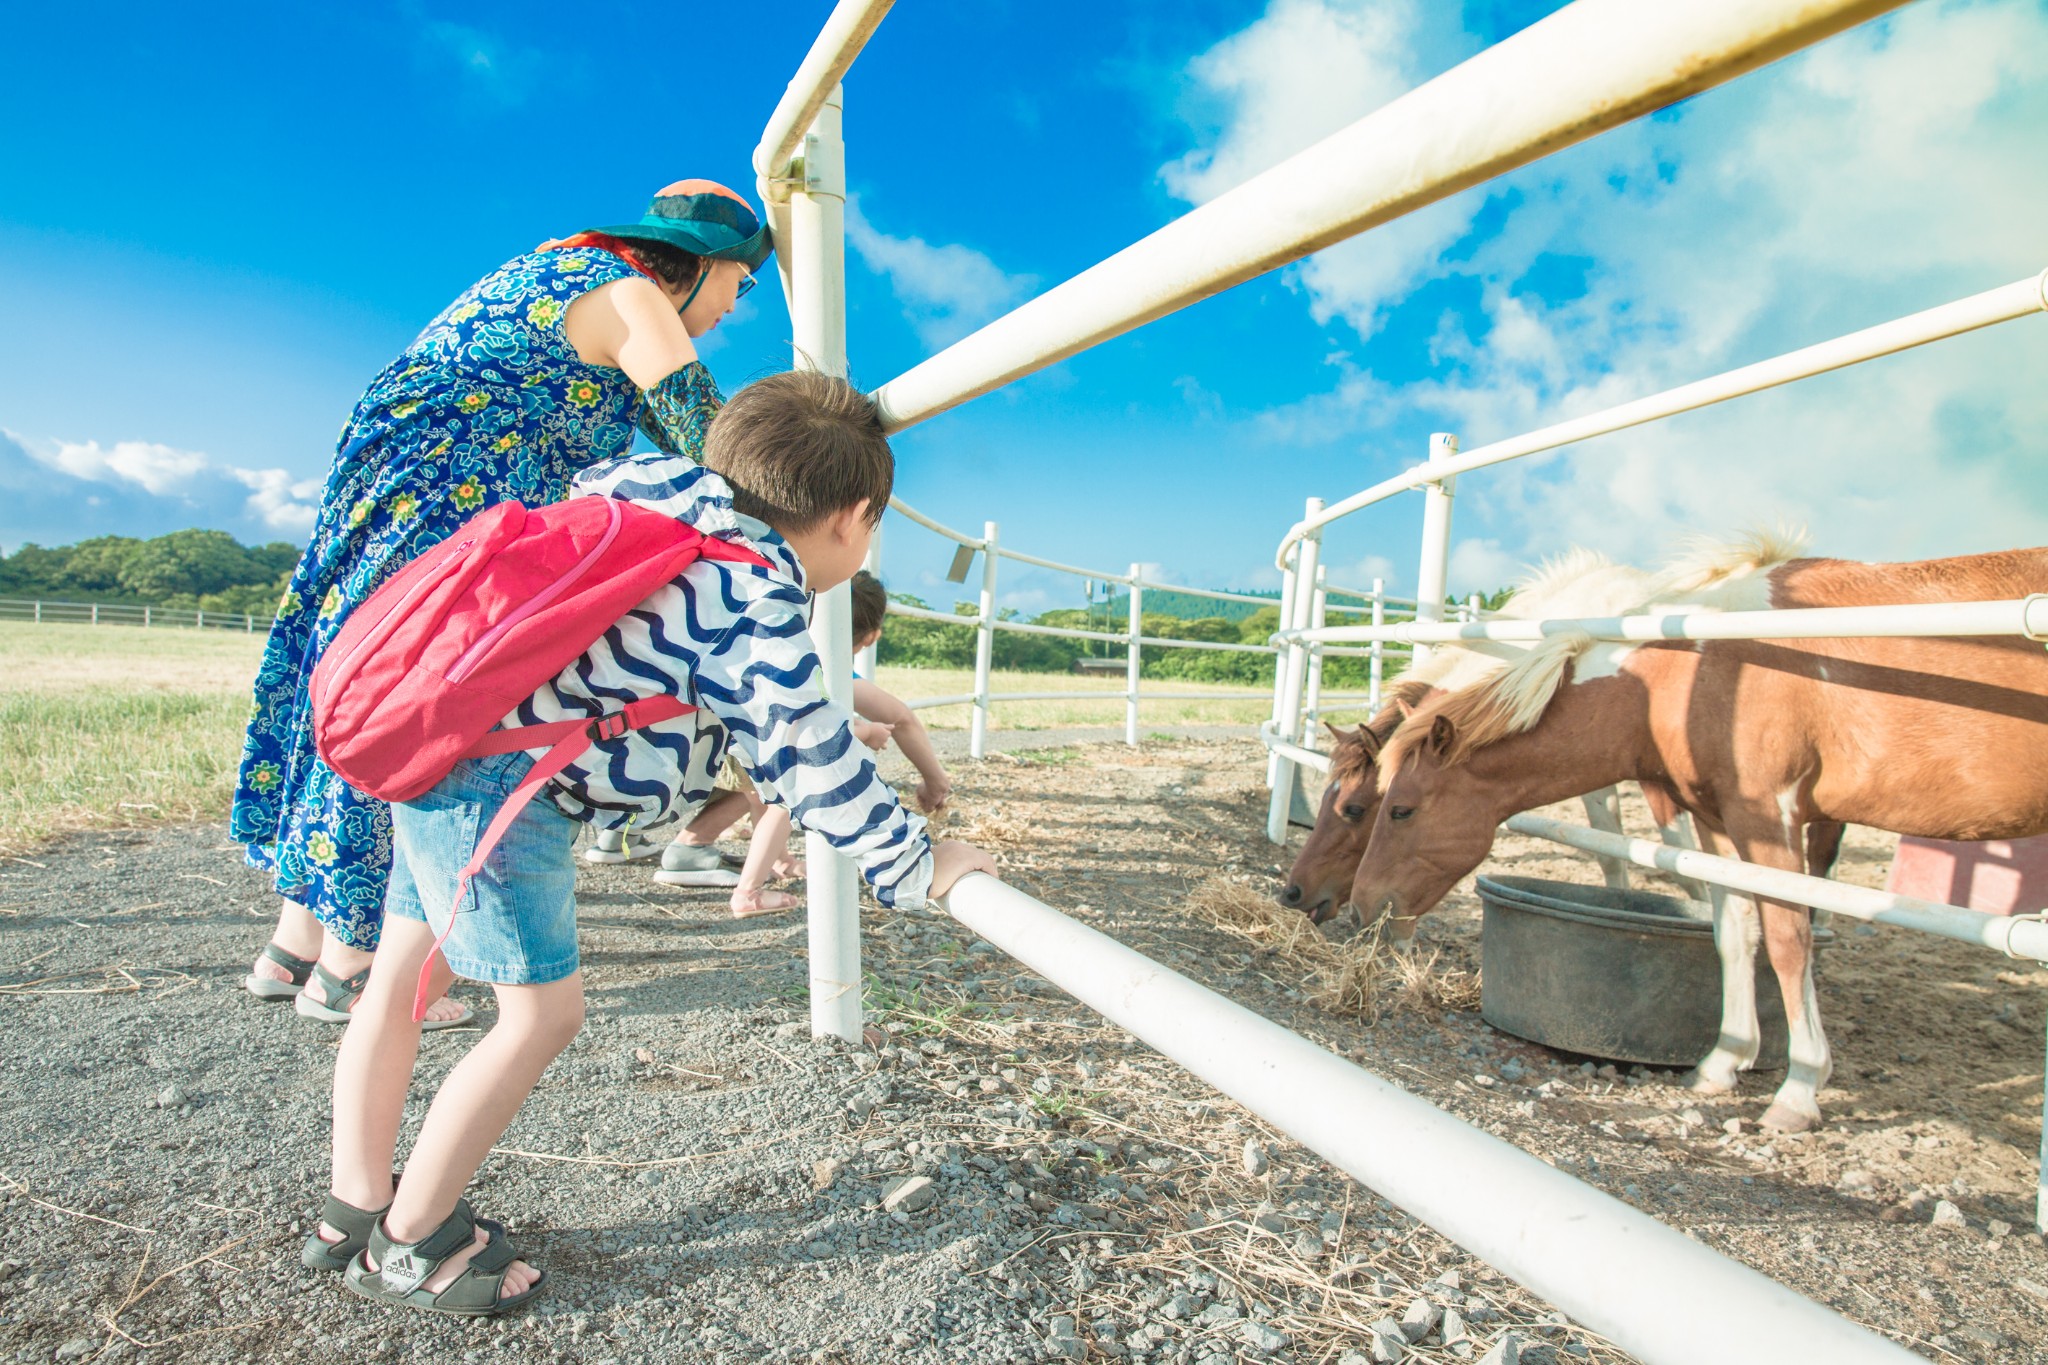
(796, 474)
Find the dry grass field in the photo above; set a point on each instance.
(113, 727)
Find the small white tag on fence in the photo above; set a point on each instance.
(963, 560)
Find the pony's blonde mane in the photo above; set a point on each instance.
(1511, 698)
(1506, 702)
(1704, 563)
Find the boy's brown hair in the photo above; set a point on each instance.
(798, 446)
(870, 605)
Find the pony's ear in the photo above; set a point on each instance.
(1407, 711)
(1336, 736)
(1442, 734)
(1369, 741)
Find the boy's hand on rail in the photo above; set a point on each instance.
(952, 860)
(873, 733)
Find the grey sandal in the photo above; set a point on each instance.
(340, 993)
(405, 1267)
(265, 988)
(354, 1225)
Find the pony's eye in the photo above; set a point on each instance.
(1400, 812)
(1354, 814)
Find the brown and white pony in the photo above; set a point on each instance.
(1580, 582)
(1760, 740)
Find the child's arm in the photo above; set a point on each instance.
(765, 685)
(911, 737)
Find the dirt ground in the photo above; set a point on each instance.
(708, 1184)
(1936, 1095)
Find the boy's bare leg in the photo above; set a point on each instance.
(471, 1110)
(373, 1071)
(768, 850)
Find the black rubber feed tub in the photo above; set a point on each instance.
(1625, 975)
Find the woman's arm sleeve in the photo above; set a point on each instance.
(675, 413)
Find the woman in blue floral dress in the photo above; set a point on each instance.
(545, 366)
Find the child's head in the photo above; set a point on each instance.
(805, 453)
(870, 606)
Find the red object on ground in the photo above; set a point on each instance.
(1998, 877)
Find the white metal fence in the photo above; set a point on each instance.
(987, 621)
(110, 614)
(1588, 67)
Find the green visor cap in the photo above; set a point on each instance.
(704, 218)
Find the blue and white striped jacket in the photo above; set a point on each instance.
(734, 640)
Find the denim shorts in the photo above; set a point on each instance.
(519, 926)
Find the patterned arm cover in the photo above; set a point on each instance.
(675, 413)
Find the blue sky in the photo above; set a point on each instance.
(216, 231)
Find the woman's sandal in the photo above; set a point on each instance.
(403, 1268)
(269, 988)
(352, 1223)
(339, 993)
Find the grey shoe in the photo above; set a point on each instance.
(684, 865)
(622, 846)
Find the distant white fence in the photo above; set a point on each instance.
(986, 621)
(109, 614)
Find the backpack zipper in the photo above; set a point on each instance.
(417, 590)
(472, 657)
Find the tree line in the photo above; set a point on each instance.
(206, 570)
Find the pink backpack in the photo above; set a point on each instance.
(419, 675)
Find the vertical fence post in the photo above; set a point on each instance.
(95, 613)
(984, 644)
(249, 622)
(1377, 667)
(145, 616)
(1295, 670)
(200, 622)
(1318, 617)
(816, 256)
(1287, 581)
(1133, 658)
(1436, 541)
(39, 613)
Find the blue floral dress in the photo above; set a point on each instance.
(491, 402)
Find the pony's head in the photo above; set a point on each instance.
(1329, 859)
(1435, 824)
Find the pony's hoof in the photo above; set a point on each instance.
(1785, 1118)
(1701, 1081)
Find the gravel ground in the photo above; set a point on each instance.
(705, 1182)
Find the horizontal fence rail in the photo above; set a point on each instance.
(110, 614)
(2009, 303)
(1622, 1273)
(2023, 616)
(2015, 936)
(1588, 67)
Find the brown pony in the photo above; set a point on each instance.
(1579, 582)
(1760, 740)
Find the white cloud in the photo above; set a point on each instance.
(946, 291)
(1888, 170)
(1481, 565)
(1303, 70)
(62, 490)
